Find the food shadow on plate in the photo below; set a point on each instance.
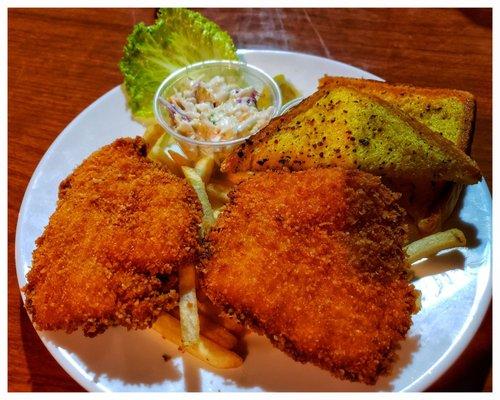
(192, 376)
(438, 264)
(133, 357)
(44, 371)
(268, 369)
(130, 357)
(404, 357)
(451, 259)
(469, 230)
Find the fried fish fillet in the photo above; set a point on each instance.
(111, 251)
(314, 260)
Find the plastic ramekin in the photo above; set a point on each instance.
(234, 72)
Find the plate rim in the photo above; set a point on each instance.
(437, 370)
(459, 345)
(64, 363)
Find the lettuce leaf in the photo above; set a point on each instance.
(179, 37)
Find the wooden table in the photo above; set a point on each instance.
(60, 61)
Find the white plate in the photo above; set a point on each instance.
(455, 291)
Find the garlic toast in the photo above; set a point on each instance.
(342, 126)
(449, 112)
(446, 111)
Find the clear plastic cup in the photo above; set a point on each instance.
(236, 72)
(292, 103)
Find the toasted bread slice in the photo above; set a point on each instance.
(448, 112)
(345, 127)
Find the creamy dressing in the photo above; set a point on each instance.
(216, 110)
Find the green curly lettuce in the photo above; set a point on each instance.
(179, 37)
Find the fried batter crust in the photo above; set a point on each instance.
(111, 251)
(314, 261)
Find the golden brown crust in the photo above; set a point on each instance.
(314, 261)
(111, 250)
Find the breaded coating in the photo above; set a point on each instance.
(314, 260)
(111, 251)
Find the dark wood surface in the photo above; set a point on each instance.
(61, 60)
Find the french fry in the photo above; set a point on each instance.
(179, 159)
(218, 193)
(190, 151)
(205, 349)
(217, 333)
(432, 244)
(231, 324)
(213, 331)
(227, 322)
(152, 133)
(188, 306)
(159, 153)
(197, 183)
(165, 140)
(205, 167)
(173, 166)
(218, 212)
